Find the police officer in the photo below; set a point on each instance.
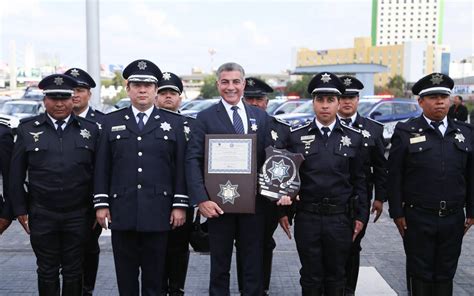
(80, 99)
(170, 88)
(56, 151)
(375, 168)
(332, 207)
(431, 174)
(255, 94)
(139, 181)
(230, 116)
(6, 146)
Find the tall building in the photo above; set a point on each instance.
(397, 21)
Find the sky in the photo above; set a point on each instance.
(262, 35)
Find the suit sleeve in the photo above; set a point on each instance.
(470, 180)
(6, 147)
(195, 163)
(180, 199)
(395, 174)
(102, 168)
(379, 165)
(18, 166)
(360, 189)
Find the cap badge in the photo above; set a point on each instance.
(347, 81)
(436, 78)
(346, 141)
(250, 82)
(166, 76)
(459, 137)
(142, 65)
(58, 81)
(36, 135)
(85, 133)
(165, 126)
(75, 73)
(325, 78)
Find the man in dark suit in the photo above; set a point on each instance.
(6, 146)
(54, 155)
(430, 180)
(80, 99)
(229, 116)
(372, 153)
(458, 111)
(139, 181)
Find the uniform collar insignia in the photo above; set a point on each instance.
(37, 122)
(274, 135)
(459, 137)
(36, 135)
(127, 117)
(346, 141)
(165, 126)
(157, 117)
(85, 133)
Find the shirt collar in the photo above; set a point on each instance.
(147, 112)
(84, 113)
(66, 120)
(320, 125)
(444, 121)
(228, 106)
(353, 118)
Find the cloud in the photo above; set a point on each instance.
(156, 20)
(257, 38)
(22, 8)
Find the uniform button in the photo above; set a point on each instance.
(165, 137)
(345, 154)
(36, 149)
(165, 193)
(139, 138)
(140, 170)
(118, 137)
(140, 153)
(467, 149)
(139, 186)
(420, 148)
(306, 152)
(115, 195)
(87, 146)
(365, 144)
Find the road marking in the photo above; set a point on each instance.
(371, 283)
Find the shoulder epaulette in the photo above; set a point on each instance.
(282, 121)
(86, 119)
(375, 121)
(351, 128)
(119, 109)
(172, 112)
(303, 125)
(28, 119)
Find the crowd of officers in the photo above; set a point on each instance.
(74, 171)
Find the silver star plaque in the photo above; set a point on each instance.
(279, 170)
(228, 192)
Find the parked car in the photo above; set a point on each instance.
(289, 106)
(299, 115)
(123, 103)
(274, 104)
(13, 111)
(194, 107)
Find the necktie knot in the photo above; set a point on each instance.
(325, 131)
(59, 127)
(234, 108)
(347, 121)
(436, 124)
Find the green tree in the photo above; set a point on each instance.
(209, 88)
(396, 85)
(299, 86)
(118, 79)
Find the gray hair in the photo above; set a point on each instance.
(227, 67)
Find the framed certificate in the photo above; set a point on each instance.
(230, 171)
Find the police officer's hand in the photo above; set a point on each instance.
(210, 209)
(358, 225)
(103, 217)
(285, 225)
(177, 218)
(4, 223)
(401, 225)
(286, 200)
(377, 206)
(467, 224)
(23, 219)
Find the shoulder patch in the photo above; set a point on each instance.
(298, 127)
(375, 121)
(281, 121)
(351, 128)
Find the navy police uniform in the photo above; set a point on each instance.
(58, 158)
(177, 250)
(6, 147)
(139, 176)
(229, 227)
(279, 132)
(433, 211)
(375, 169)
(332, 195)
(92, 249)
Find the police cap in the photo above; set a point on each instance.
(142, 71)
(326, 83)
(58, 86)
(255, 88)
(170, 81)
(433, 84)
(83, 78)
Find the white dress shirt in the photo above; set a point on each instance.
(240, 111)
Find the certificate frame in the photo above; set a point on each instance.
(230, 173)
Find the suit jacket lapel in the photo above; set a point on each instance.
(131, 122)
(224, 117)
(153, 121)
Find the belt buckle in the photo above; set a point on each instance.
(324, 206)
(442, 209)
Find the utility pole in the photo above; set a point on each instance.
(93, 48)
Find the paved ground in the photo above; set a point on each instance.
(382, 250)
